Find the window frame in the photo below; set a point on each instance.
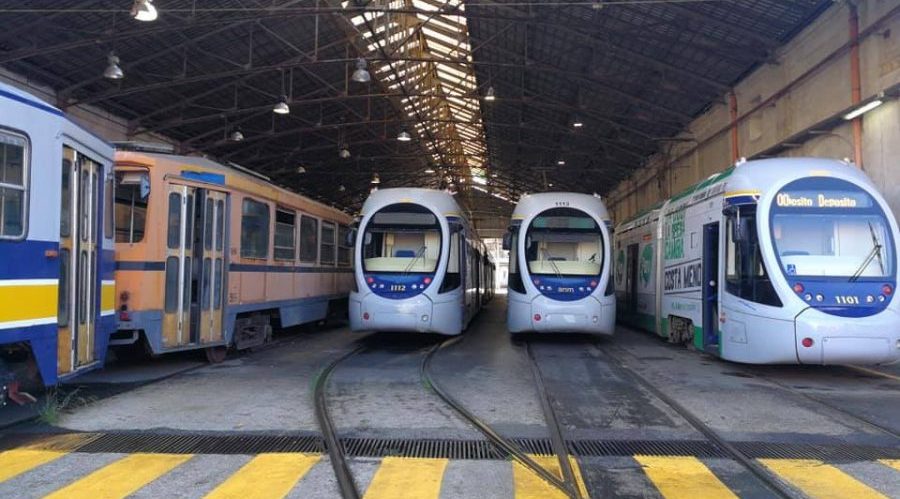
(294, 245)
(301, 246)
(333, 226)
(342, 245)
(268, 237)
(131, 207)
(26, 183)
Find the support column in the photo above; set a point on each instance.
(855, 81)
(735, 146)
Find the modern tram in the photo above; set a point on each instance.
(420, 266)
(789, 260)
(559, 265)
(211, 256)
(56, 245)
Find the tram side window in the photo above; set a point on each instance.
(452, 278)
(131, 206)
(254, 229)
(108, 226)
(514, 276)
(309, 239)
(344, 250)
(174, 230)
(13, 149)
(285, 225)
(326, 250)
(745, 272)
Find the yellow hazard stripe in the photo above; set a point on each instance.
(18, 461)
(682, 477)
(528, 485)
(23, 302)
(893, 463)
(819, 480)
(407, 477)
(121, 478)
(266, 475)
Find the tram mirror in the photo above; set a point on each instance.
(507, 241)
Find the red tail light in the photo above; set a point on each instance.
(537, 317)
(370, 280)
(887, 289)
(427, 280)
(124, 296)
(366, 316)
(124, 315)
(798, 288)
(593, 284)
(807, 342)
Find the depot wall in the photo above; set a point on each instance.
(706, 146)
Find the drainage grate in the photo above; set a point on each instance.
(434, 448)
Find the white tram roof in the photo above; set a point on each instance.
(20, 95)
(440, 202)
(535, 203)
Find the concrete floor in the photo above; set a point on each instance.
(379, 394)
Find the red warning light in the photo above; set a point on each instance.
(807, 342)
(427, 280)
(887, 289)
(798, 288)
(537, 317)
(365, 316)
(370, 280)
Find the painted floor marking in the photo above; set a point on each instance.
(122, 477)
(528, 485)
(18, 461)
(266, 475)
(678, 477)
(893, 463)
(819, 480)
(407, 477)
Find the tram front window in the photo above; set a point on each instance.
(402, 238)
(831, 232)
(564, 242)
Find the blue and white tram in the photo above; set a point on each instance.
(559, 268)
(789, 260)
(56, 244)
(419, 265)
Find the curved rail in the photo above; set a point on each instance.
(335, 451)
(767, 479)
(495, 438)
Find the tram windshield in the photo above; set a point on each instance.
(402, 238)
(564, 242)
(829, 227)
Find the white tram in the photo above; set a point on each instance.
(420, 266)
(564, 284)
(787, 260)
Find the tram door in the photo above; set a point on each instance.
(710, 286)
(78, 236)
(194, 266)
(631, 279)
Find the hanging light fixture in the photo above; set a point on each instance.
(301, 169)
(561, 162)
(429, 170)
(236, 135)
(282, 107)
(375, 179)
(361, 74)
(143, 10)
(341, 188)
(344, 152)
(577, 123)
(404, 136)
(113, 71)
(490, 96)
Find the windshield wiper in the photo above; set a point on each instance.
(876, 252)
(414, 260)
(552, 263)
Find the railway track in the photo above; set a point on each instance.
(766, 478)
(347, 484)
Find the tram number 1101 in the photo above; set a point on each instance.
(847, 300)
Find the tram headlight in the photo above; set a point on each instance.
(881, 298)
(807, 297)
(870, 299)
(425, 318)
(819, 297)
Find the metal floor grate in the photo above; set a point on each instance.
(443, 448)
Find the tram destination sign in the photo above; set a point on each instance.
(823, 199)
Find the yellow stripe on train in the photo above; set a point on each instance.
(37, 299)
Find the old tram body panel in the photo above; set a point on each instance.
(787, 260)
(560, 253)
(56, 246)
(208, 255)
(420, 266)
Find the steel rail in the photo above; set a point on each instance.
(332, 444)
(499, 441)
(770, 481)
(557, 441)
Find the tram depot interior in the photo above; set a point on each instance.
(449, 248)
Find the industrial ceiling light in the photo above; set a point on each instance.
(561, 162)
(282, 107)
(376, 179)
(301, 169)
(341, 188)
(577, 123)
(361, 74)
(490, 95)
(143, 10)
(865, 108)
(344, 153)
(404, 136)
(429, 170)
(113, 71)
(236, 135)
